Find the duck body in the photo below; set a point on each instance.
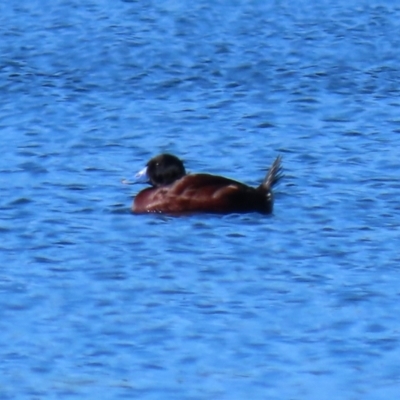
(173, 191)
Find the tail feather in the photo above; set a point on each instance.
(273, 176)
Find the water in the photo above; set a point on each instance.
(99, 303)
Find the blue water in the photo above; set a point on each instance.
(97, 303)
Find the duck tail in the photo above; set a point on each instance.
(273, 176)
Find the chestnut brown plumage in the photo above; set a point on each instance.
(174, 191)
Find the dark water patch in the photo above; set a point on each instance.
(21, 201)
(32, 167)
(264, 125)
(45, 260)
(75, 187)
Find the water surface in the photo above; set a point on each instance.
(98, 303)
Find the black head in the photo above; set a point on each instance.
(165, 169)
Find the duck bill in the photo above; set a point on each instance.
(141, 176)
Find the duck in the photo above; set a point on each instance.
(173, 191)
